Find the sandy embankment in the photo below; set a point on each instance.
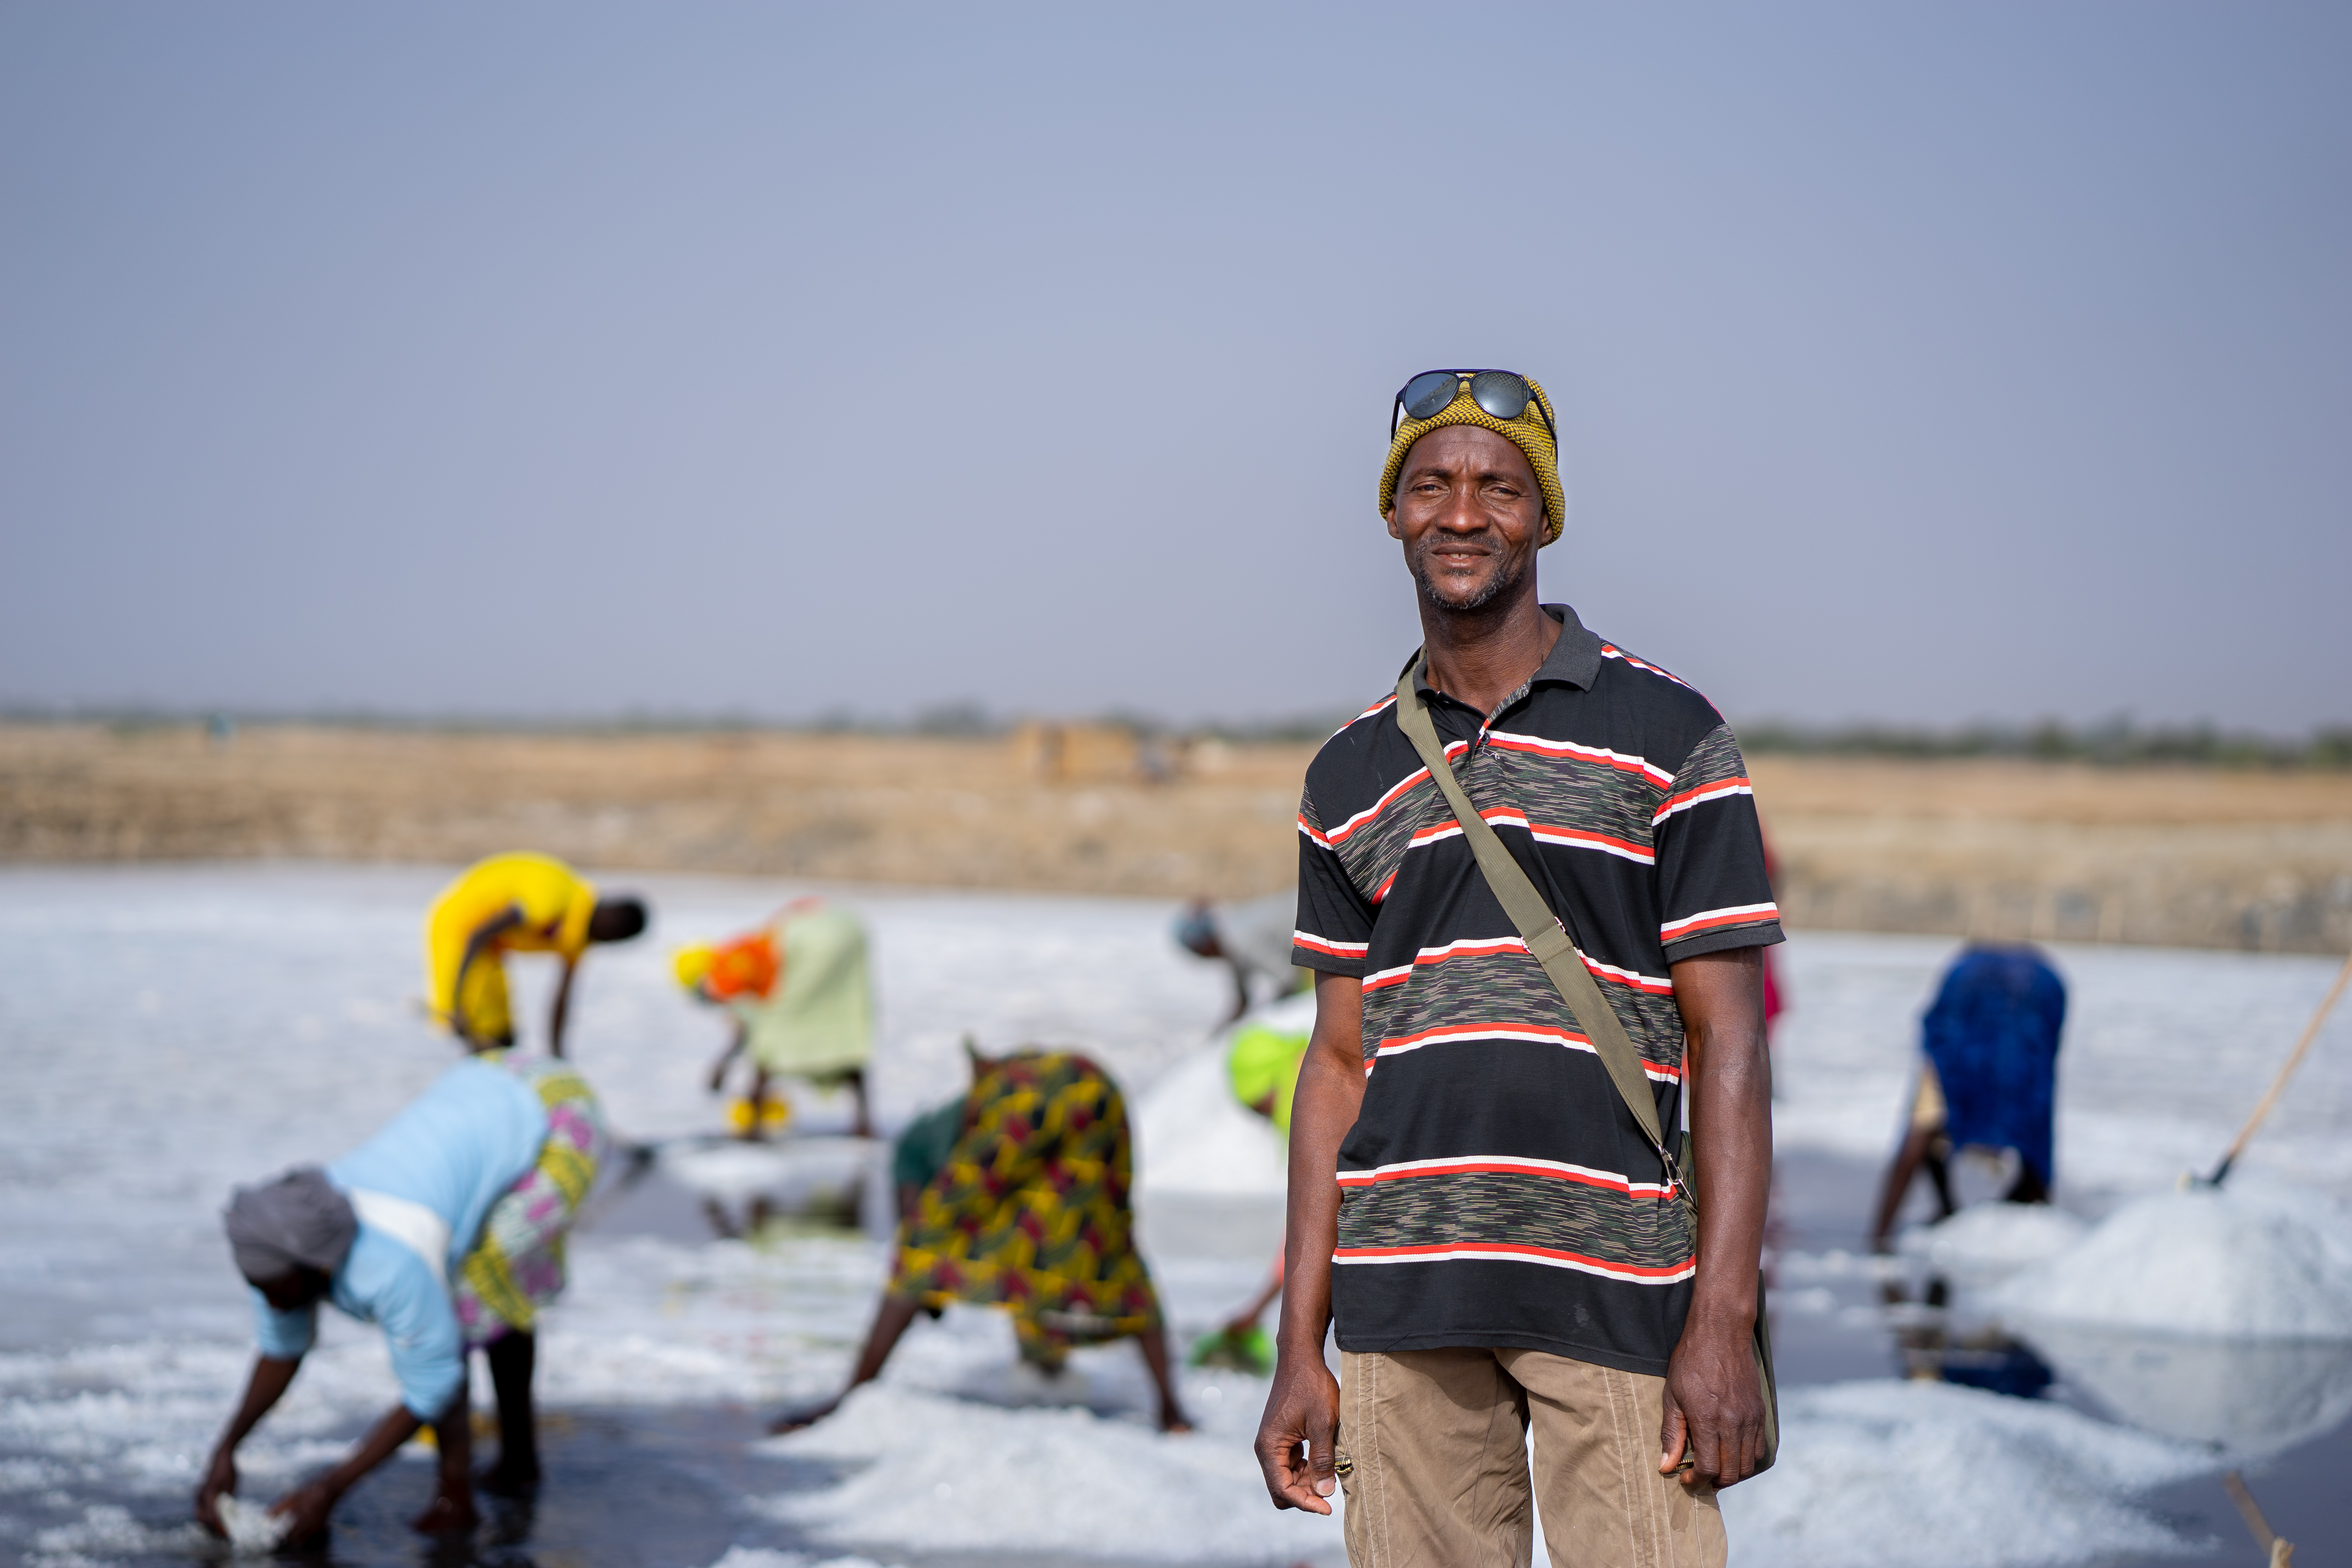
(2173, 856)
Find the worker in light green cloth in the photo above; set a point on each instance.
(1262, 1065)
(802, 1002)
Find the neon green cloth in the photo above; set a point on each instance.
(1262, 1062)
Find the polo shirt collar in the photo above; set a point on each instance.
(1575, 658)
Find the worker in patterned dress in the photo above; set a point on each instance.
(1016, 1194)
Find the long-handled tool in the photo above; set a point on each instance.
(2270, 1097)
(2282, 1552)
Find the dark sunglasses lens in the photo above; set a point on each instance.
(1429, 394)
(1501, 393)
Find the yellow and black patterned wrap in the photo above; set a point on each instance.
(1030, 1210)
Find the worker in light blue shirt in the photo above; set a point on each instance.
(383, 1233)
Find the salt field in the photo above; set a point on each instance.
(167, 1032)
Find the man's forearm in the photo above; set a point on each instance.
(1728, 1069)
(1329, 1096)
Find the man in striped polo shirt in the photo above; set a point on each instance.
(1470, 1198)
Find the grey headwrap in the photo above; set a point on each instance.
(297, 1219)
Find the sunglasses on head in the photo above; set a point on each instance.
(1501, 393)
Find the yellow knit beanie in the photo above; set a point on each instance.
(1527, 433)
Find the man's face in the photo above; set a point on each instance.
(1470, 515)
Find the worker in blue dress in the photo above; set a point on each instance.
(1988, 1077)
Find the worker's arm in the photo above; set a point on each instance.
(306, 1506)
(561, 1009)
(263, 1389)
(1302, 1412)
(1917, 1141)
(1241, 990)
(1245, 1320)
(1715, 1404)
(477, 946)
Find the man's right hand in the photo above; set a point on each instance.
(1296, 1435)
(220, 1480)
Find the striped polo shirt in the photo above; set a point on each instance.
(1495, 1189)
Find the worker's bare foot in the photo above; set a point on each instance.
(1173, 1420)
(503, 1479)
(446, 1516)
(804, 1416)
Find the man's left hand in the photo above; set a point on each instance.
(1714, 1405)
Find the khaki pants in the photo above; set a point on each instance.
(1434, 1450)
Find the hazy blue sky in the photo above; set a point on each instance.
(1916, 363)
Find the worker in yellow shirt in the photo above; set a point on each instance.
(513, 903)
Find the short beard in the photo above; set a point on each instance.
(1506, 580)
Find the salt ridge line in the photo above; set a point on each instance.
(1512, 1252)
(1532, 1033)
(1506, 1166)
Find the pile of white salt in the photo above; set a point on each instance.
(2230, 1263)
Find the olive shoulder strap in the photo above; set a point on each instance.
(1539, 929)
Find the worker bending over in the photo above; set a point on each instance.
(446, 1230)
(1988, 1078)
(802, 1000)
(513, 903)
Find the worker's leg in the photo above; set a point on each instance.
(1938, 1161)
(513, 1356)
(864, 1126)
(1154, 1342)
(2029, 1187)
(1433, 1461)
(755, 1105)
(1596, 1470)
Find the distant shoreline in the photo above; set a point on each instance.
(2172, 854)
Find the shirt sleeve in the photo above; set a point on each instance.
(285, 1335)
(1335, 923)
(429, 1356)
(1713, 893)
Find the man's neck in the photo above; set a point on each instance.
(1480, 657)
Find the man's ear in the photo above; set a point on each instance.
(1390, 515)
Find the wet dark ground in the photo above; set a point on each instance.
(646, 1487)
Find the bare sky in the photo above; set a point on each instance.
(1917, 363)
